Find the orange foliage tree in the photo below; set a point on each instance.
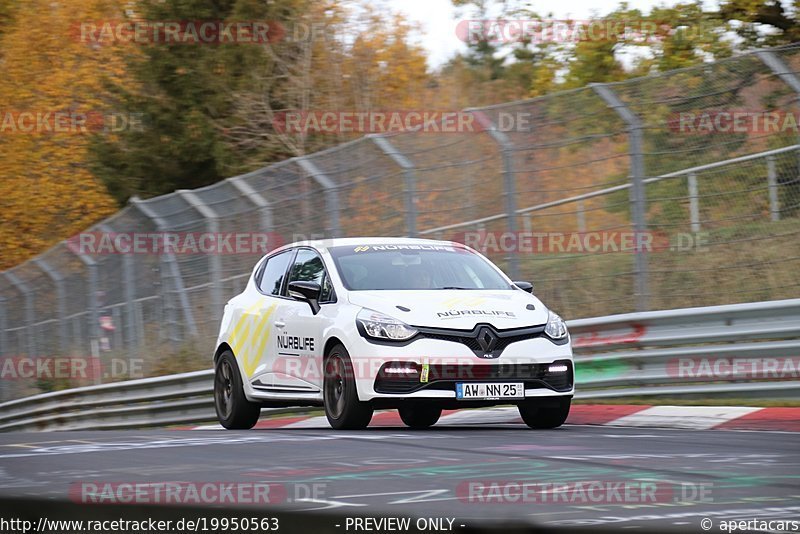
(51, 99)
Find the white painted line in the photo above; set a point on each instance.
(328, 504)
(655, 417)
(692, 417)
(208, 427)
(502, 414)
(312, 422)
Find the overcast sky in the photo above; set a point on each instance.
(439, 18)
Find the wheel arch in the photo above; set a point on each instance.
(222, 348)
(329, 344)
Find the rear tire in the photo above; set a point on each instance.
(234, 411)
(540, 416)
(419, 416)
(342, 407)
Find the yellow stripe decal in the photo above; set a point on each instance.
(236, 340)
(256, 345)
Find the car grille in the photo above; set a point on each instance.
(445, 377)
(503, 338)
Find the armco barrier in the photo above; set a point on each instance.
(720, 201)
(638, 354)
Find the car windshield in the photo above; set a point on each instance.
(414, 267)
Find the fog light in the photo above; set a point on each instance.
(558, 368)
(400, 370)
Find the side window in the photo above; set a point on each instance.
(327, 294)
(308, 267)
(274, 272)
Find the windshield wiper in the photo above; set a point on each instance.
(456, 287)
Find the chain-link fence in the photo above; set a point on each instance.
(549, 188)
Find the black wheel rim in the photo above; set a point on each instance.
(223, 387)
(335, 387)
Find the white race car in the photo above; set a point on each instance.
(360, 324)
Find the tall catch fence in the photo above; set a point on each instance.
(550, 188)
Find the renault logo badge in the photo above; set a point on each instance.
(487, 341)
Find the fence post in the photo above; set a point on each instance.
(331, 195)
(75, 325)
(638, 193)
(581, 216)
(694, 203)
(94, 313)
(787, 76)
(4, 384)
(174, 270)
(214, 259)
(119, 339)
(264, 208)
(61, 299)
(772, 184)
(509, 181)
(410, 189)
(781, 69)
(30, 315)
(129, 290)
(3, 331)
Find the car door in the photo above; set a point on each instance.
(261, 321)
(300, 342)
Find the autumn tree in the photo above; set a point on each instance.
(6, 15)
(47, 191)
(350, 62)
(185, 94)
(762, 23)
(686, 34)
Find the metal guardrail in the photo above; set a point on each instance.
(562, 165)
(618, 356)
(171, 399)
(681, 352)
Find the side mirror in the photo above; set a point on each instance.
(525, 286)
(308, 292)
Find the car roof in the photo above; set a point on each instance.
(324, 244)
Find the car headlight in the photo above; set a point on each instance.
(556, 328)
(380, 326)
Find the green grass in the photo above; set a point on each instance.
(746, 263)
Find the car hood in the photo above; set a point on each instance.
(458, 309)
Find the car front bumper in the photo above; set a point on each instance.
(438, 365)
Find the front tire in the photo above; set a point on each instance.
(538, 415)
(419, 416)
(234, 411)
(342, 407)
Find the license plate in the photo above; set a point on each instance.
(490, 390)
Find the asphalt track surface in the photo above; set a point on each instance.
(399, 472)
